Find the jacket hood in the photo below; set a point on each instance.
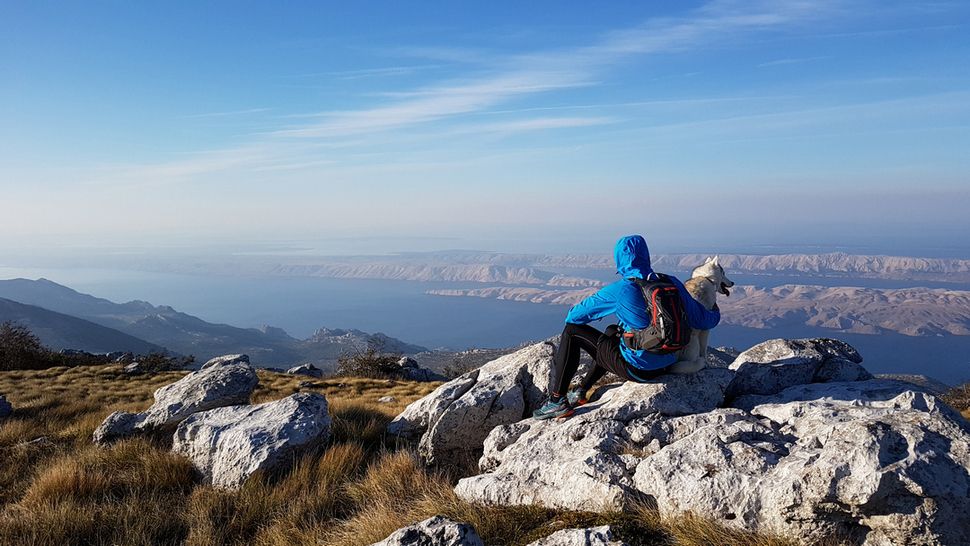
(632, 257)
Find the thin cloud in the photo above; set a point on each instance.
(230, 113)
(551, 70)
(498, 80)
(793, 60)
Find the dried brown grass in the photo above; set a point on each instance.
(355, 490)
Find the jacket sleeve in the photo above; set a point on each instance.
(594, 307)
(698, 316)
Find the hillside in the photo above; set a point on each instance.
(187, 334)
(56, 487)
(60, 331)
(908, 311)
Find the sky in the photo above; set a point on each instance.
(502, 125)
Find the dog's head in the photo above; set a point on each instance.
(713, 271)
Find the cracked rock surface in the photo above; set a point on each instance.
(796, 438)
(223, 381)
(227, 445)
(455, 418)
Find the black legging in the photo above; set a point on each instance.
(606, 355)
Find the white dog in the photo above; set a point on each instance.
(704, 284)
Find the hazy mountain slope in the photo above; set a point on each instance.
(60, 331)
(834, 264)
(540, 269)
(188, 334)
(484, 273)
(909, 311)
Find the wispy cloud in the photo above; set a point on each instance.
(544, 71)
(791, 60)
(360, 73)
(494, 81)
(229, 113)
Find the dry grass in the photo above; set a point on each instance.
(355, 490)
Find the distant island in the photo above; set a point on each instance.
(908, 311)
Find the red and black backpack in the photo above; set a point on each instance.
(669, 330)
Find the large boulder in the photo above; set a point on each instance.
(861, 460)
(227, 445)
(219, 383)
(5, 407)
(455, 418)
(777, 364)
(436, 531)
(306, 369)
(587, 462)
(873, 462)
(592, 536)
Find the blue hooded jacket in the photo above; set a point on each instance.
(625, 299)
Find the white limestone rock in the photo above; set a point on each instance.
(225, 360)
(223, 383)
(215, 385)
(116, 426)
(593, 536)
(457, 416)
(873, 462)
(227, 445)
(586, 462)
(777, 364)
(436, 531)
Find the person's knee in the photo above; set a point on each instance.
(571, 329)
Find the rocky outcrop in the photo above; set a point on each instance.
(873, 462)
(5, 407)
(587, 461)
(593, 536)
(306, 369)
(224, 381)
(863, 460)
(436, 531)
(777, 364)
(456, 417)
(227, 445)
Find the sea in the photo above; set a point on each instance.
(404, 310)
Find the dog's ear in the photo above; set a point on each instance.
(714, 261)
(707, 260)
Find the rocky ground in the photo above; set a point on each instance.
(792, 441)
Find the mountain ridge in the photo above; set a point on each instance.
(181, 332)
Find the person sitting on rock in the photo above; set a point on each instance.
(609, 352)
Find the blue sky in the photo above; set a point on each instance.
(501, 124)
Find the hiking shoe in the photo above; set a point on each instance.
(576, 397)
(552, 409)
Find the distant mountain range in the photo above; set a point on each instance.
(547, 269)
(60, 331)
(65, 318)
(908, 311)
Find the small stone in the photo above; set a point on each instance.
(436, 531)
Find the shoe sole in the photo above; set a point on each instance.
(567, 414)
